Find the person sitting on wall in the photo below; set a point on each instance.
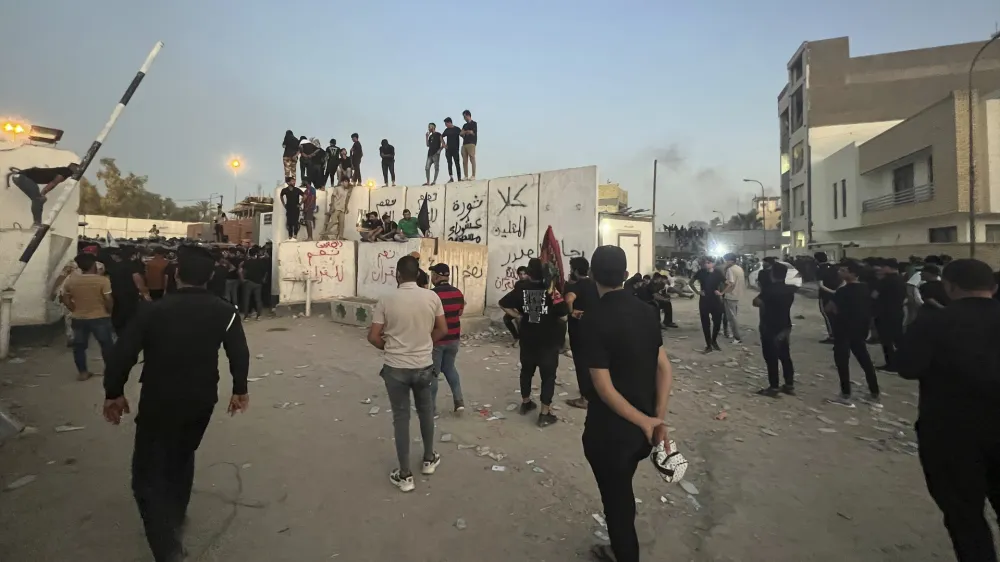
(345, 170)
(371, 228)
(390, 230)
(28, 181)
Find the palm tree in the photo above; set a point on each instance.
(746, 221)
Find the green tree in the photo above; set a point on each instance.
(90, 199)
(125, 196)
(745, 221)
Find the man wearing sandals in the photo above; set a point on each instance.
(631, 375)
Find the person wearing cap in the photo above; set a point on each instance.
(179, 336)
(953, 353)
(631, 376)
(446, 348)
(540, 311)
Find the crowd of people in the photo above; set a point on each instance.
(688, 239)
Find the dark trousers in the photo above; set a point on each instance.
(292, 222)
(546, 360)
(356, 165)
(843, 347)
(123, 312)
(316, 176)
(613, 459)
(31, 189)
(388, 168)
(890, 329)
(218, 232)
(580, 363)
(156, 294)
(252, 289)
(512, 326)
(162, 475)
(710, 307)
(449, 156)
(961, 475)
(302, 170)
(667, 308)
(775, 348)
(823, 301)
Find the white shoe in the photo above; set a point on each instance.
(404, 484)
(430, 466)
(737, 342)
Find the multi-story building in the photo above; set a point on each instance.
(769, 210)
(833, 100)
(611, 198)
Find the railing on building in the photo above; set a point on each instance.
(903, 197)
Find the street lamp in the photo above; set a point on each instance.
(763, 215)
(972, 152)
(370, 184)
(235, 165)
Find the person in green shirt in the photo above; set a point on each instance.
(409, 225)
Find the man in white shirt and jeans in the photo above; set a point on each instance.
(405, 325)
(735, 285)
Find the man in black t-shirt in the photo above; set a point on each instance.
(332, 161)
(775, 304)
(387, 153)
(932, 290)
(28, 181)
(470, 136)
(541, 311)
(851, 312)
(290, 197)
(890, 297)
(827, 281)
(451, 135)
(356, 154)
(631, 376)
(253, 272)
(710, 284)
(434, 145)
(581, 295)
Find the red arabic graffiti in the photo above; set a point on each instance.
(330, 244)
(334, 272)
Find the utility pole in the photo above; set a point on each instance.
(654, 202)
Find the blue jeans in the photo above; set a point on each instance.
(102, 330)
(444, 362)
(398, 385)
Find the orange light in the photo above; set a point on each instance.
(371, 184)
(15, 128)
(235, 164)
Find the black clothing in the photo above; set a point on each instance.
(388, 169)
(451, 136)
(711, 310)
(540, 314)
(234, 273)
(586, 298)
(356, 154)
(933, 290)
(449, 156)
(433, 143)
(828, 275)
(217, 284)
(124, 293)
(614, 462)
(42, 176)
(954, 355)
(308, 149)
(171, 273)
(854, 310)
(889, 315)
(255, 270)
(470, 137)
(290, 144)
(709, 281)
(775, 349)
(387, 152)
(512, 326)
(290, 197)
(546, 360)
(776, 306)
(846, 344)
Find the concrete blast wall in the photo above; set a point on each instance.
(330, 264)
(99, 225)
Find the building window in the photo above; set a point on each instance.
(993, 233)
(843, 197)
(930, 169)
(798, 110)
(835, 200)
(798, 202)
(942, 235)
(902, 179)
(795, 72)
(798, 158)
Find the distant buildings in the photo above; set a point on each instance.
(611, 198)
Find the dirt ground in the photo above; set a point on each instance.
(303, 475)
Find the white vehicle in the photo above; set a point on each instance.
(793, 277)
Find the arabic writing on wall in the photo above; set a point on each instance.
(432, 210)
(324, 262)
(384, 270)
(386, 206)
(467, 221)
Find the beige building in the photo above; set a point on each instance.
(611, 198)
(769, 210)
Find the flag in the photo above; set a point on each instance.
(110, 240)
(551, 256)
(424, 218)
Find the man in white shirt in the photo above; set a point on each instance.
(405, 325)
(735, 286)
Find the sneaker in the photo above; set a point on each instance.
(83, 376)
(873, 400)
(430, 466)
(715, 347)
(708, 349)
(527, 407)
(404, 484)
(788, 389)
(451, 180)
(737, 342)
(545, 420)
(426, 184)
(841, 400)
(459, 406)
(770, 392)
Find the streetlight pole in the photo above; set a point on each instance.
(972, 151)
(235, 164)
(654, 200)
(763, 215)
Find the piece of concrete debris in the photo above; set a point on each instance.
(460, 524)
(366, 401)
(462, 447)
(689, 487)
(260, 356)
(600, 520)
(766, 431)
(563, 394)
(694, 502)
(852, 422)
(602, 535)
(254, 379)
(302, 366)
(21, 482)
(446, 438)
(245, 465)
(825, 420)
(511, 407)
(537, 469)
(279, 372)
(675, 360)
(827, 430)
(374, 410)
(499, 468)
(732, 364)
(67, 428)
(721, 416)
(15, 360)
(29, 430)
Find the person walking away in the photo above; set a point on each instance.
(253, 272)
(290, 154)
(953, 354)
(470, 134)
(290, 196)
(28, 181)
(435, 144)
(827, 281)
(408, 225)
(932, 291)
(235, 261)
(179, 337)
(309, 210)
(710, 284)
(405, 325)
(332, 162)
(155, 278)
(851, 314)
(87, 296)
(217, 284)
(387, 153)
(446, 348)
(451, 135)
(632, 377)
(581, 295)
(127, 288)
(220, 218)
(735, 286)
(889, 300)
(311, 153)
(540, 310)
(356, 154)
(775, 303)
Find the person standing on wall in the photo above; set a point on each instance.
(451, 136)
(332, 162)
(179, 337)
(290, 154)
(446, 348)
(387, 153)
(735, 286)
(470, 135)
(220, 217)
(28, 181)
(434, 143)
(289, 197)
(356, 154)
